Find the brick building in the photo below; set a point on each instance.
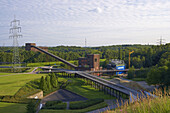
(91, 62)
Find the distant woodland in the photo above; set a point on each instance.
(143, 56)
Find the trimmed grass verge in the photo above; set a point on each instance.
(12, 107)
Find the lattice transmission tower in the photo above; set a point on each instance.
(161, 41)
(15, 32)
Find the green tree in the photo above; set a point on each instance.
(131, 73)
(157, 75)
(43, 85)
(53, 80)
(49, 87)
(167, 76)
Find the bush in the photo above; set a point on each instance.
(142, 73)
(31, 107)
(51, 103)
(131, 73)
(54, 105)
(57, 106)
(85, 104)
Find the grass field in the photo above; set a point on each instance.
(9, 85)
(46, 63)
(12, 108)
(2, 74)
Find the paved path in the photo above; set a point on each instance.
(68, 104)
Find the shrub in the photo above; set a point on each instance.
(57, 106)
(31, 107)
(85, 104)
(51, 103)
(131, 73)
(54, 105)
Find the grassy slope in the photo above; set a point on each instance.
(12, 108)
(9, 85)
(148, 105)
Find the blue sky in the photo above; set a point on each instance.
(101, 22)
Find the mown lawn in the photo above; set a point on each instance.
(9, 85)
(1, 74)
(46, 63)
(12, 108)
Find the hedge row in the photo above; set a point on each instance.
(55, 105)
(51, 103)
(9, 70)
(13, 99)
(85, 104)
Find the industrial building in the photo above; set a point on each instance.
(116, 64)
(91, 63)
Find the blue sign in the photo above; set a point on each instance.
(120, 68)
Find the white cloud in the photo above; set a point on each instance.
(94, 19)
(96, 10)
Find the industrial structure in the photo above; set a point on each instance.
(117, 64)
(29, 47)
(90, 63)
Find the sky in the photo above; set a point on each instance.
(100, 22)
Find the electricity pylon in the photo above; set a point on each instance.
(15, 34)
(161, 41)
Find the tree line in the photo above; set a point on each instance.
(143, 56)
